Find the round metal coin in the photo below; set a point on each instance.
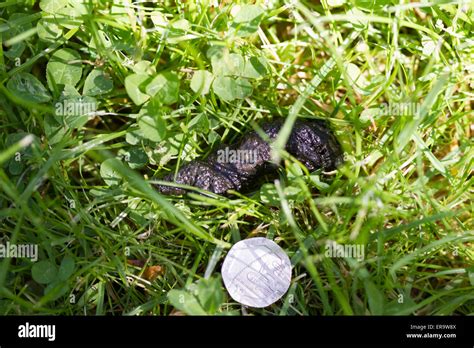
(256, 272)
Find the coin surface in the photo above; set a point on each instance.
(256, 272)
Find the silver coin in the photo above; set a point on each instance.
(256, 272)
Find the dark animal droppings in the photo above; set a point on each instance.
(311, 142)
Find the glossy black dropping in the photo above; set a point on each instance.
(311, 142)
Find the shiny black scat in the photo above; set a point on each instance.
(311, 142)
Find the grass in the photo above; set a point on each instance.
(394, 80)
